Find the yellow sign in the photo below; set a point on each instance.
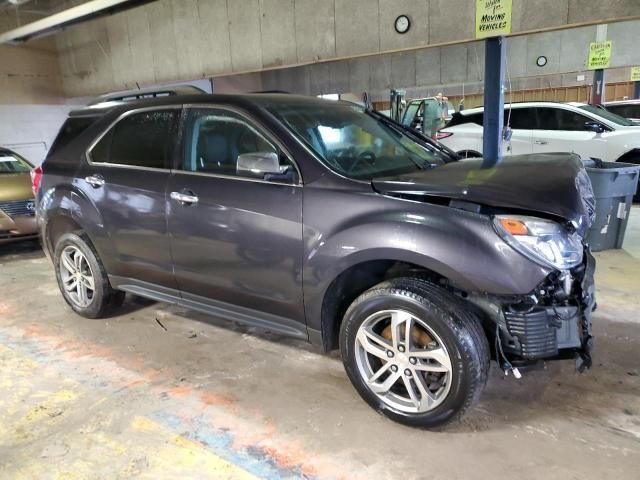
(493, 18)
(635, 74)
(599, 55)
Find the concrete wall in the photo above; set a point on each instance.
(30, 129)
(32, 105)
(449, 67)
(171, 40)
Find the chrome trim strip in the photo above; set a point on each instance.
(235, 177)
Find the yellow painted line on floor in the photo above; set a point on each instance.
(81, 436)
(179, 453)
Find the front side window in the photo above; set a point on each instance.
(215, 139)
(13, 163)
(355, 143)
(569, 120)
(141, 139)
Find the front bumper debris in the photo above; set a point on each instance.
(553, 322)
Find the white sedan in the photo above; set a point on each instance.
(538, 127)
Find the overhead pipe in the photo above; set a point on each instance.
(54, 23)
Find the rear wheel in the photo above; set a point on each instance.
(82, 278)
(414, 352)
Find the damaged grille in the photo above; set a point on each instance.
(536, 333)
(20, 208)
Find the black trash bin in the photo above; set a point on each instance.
(614, 185)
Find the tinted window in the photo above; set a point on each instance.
(547, 119)
(521, 118)
(568, 120)
(601, 112)
(140, 139)
(626, 111)
(70, 130)
(13, 163)
(215, 138)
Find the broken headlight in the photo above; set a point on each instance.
(543, 241)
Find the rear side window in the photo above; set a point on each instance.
(70, 130)
(138, 140)
(521, 118)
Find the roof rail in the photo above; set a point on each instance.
(132, 95)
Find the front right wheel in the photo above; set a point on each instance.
(415, 352)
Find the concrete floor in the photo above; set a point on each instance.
(203, 398)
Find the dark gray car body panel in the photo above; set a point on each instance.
(285, 245)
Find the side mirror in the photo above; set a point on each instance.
(593, 127)
(259, 164)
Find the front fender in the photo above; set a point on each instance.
(458, 245)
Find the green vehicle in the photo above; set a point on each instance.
(429, 114)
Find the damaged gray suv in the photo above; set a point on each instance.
(330, 223)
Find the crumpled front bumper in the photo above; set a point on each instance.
(547, 324)
(552, 331)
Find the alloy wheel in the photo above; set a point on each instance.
(403, 361)
(77, 277)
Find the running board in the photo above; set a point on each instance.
(225, 311)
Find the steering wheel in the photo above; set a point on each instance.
(367, 156)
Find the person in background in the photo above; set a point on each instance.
(442, 107)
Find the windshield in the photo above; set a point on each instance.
(12, 163)
(357, 144)
(612, 117)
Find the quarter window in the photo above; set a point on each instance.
(141, 140)
(215, 138)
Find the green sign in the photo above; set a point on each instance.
(635, 74)
(493, 18)
(599, 55)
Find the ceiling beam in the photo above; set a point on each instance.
(81, 13)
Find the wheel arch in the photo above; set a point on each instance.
(354, 280)
(69, 210)
(469, 153)
(632, 156)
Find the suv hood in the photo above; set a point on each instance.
(554, 183)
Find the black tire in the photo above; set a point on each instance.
(104, 298)
(447, 316)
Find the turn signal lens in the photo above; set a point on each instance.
(514, 227)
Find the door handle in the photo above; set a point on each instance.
(184, 198)
(95, 181)
(541, 142)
